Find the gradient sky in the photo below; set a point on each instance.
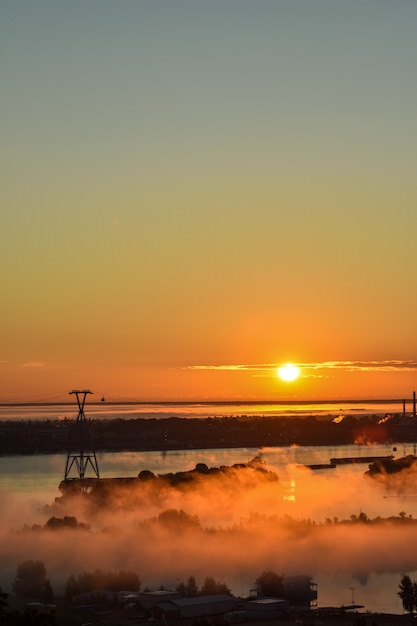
(193, 192)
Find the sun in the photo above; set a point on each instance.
(288, 372)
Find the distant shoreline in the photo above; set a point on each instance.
(139, 433)
(212, 402)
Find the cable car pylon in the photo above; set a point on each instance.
(81, 454)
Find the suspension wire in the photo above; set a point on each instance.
(61, 397)
(44, 398)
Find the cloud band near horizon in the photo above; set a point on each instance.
(313, 369)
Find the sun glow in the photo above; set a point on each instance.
(288, 372)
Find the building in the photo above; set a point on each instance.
(185, 608)
(300, 591)
(149, 599)
(267, 608)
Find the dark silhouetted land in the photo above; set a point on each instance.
(174, 433)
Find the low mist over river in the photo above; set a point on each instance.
(291, 525)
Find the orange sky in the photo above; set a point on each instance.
(208, 186)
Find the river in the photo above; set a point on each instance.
(109, 410)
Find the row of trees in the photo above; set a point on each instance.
(179, 521)
(92, 581)
(31, 582)
(209, 587)
(268, 584)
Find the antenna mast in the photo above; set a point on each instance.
(80, 437)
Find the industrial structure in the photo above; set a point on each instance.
(81, 454)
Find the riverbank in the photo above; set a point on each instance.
(336, 616)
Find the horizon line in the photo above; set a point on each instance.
(291, 401)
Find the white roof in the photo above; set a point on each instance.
(266, 601)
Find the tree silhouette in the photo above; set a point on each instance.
(3, 606)
(181, 588)
(67, 522)
(31, 581)
(191, 588)
(211, 587)
(270, 584)
(408, 594)
(97, 580)
(178, 521)
(47, 593)
(72, 588)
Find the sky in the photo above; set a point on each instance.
(194, 193)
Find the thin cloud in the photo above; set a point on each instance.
(318, 369)
(368, 366)
(34, 364)
(234, 367)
